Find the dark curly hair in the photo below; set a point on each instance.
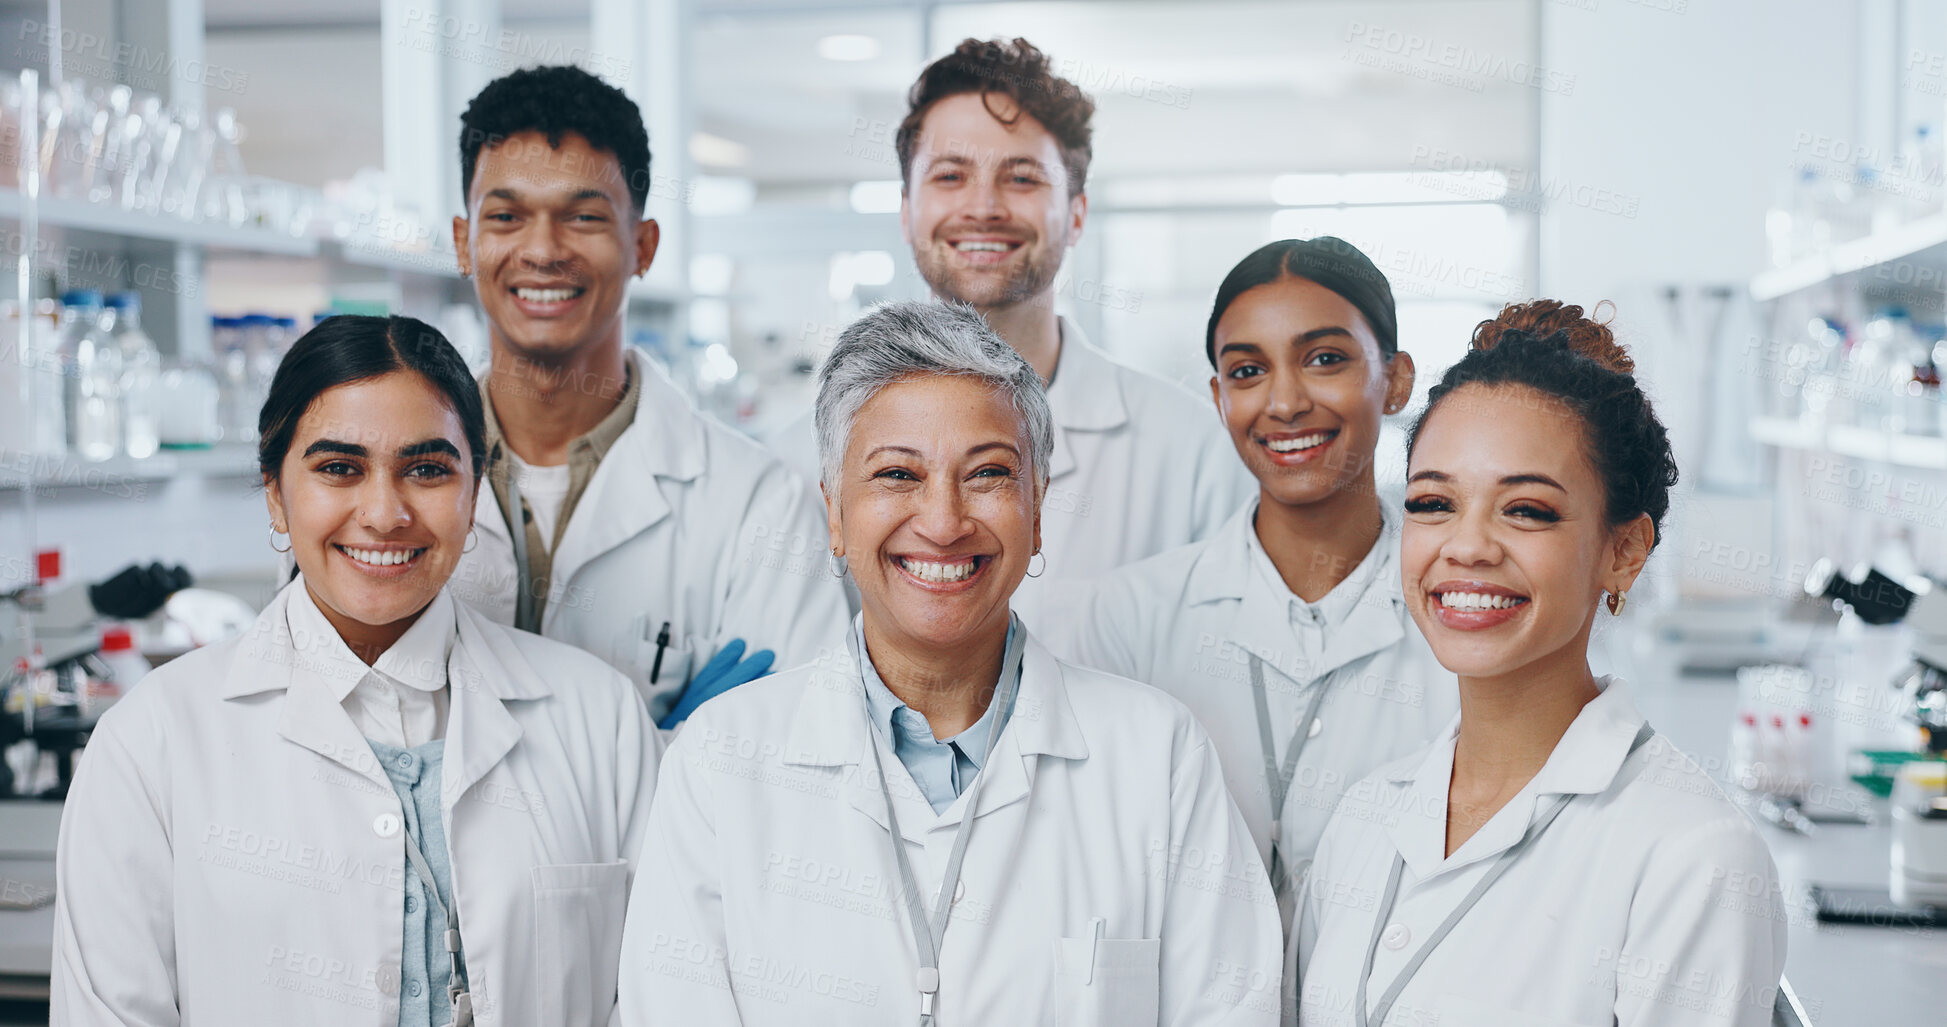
(1552, 348)
(1018, 71)
(556, 100)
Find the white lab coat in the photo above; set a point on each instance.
(1189, 620)
(231, 850)
(1651, 900)
(1140, 465)
(685, 522)
(768, 860)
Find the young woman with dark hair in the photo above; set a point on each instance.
(1549, 858)
(377, 806)
(1285, 632)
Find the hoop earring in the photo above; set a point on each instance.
(836, 564)
(1616, 601)
(1044, 564)
(273, 540)
(472, 541)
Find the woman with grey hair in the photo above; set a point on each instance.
(938, 822)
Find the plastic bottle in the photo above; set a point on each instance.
(91, 366)
(1746, 772)
(1804, 754)
(192, 406)
(234, 410)
(261, 337)
(1776, 747)
(126, 663)
(141, 376)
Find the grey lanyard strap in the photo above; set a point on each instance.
(524, 618)
(1278, 776)
(456, 983)
(1487, 880)
(929, 933)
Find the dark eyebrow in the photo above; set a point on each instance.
(1327, 332)
(333, 446)
(1512, 479)
(513, 195)
(1533, 479)
(985, 446)
(428, 447)
(907, 450)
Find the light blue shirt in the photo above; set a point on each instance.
(425, 967)
(941, 768)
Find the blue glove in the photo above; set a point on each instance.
(725, 671)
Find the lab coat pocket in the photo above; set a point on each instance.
(636, 652)
(1107, 982)
(578, 911)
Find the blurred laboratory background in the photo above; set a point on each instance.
(188, 185)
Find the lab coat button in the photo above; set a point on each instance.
(959, 891)
(1396, 936)
(388, 980)
(1318, 724)
(385, 825)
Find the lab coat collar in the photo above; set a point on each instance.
(1586, 761)
(830, 730)
(625, 495)
(1085, 394)
(1369, 615)
(417, 660)
(483, 668)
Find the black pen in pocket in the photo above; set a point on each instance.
(662, 643)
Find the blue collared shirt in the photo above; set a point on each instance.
(941, 768)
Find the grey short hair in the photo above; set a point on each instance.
(896, 341)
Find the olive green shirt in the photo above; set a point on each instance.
(585, 454)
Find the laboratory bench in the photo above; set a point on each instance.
(1846, 975)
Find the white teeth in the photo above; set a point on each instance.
(546, 295)
(939, 573)
(1317, 438)
(981, 247)
(381, 557)
(1477, 601)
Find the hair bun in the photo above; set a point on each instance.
(1553, 321)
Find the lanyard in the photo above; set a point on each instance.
(929, 933)
(1278, 776)
(1487, 880)
(455, 983)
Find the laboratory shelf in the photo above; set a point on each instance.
(56, 212)
(93, 217)
(432, 263)
(1922, 451)
(113, 476)
(1899, 254)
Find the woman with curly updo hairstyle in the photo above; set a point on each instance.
(1550, 858)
